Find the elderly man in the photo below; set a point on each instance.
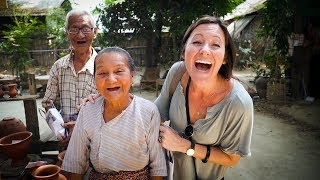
(71, 77)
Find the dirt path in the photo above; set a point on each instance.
(281, 149)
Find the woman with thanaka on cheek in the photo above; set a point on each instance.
(119, 132)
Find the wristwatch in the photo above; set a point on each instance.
(190, 151)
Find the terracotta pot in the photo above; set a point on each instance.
(48, 172)
(9, 125)
(1, 91)
(16, 146)
(12, 90)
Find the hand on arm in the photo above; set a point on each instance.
(171, 141)
(90, 98)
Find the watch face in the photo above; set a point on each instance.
(190, 152)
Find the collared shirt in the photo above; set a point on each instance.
(66, 88)
(129, 142)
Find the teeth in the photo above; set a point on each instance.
(203, 62)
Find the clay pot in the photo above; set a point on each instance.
(9, 125)
(1, 91)
(12, 90)
(48, 172)
(261, 86)
(16, 147)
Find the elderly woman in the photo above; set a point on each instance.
(119, 132)
(210, 113)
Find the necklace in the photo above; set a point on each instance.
(200, 104)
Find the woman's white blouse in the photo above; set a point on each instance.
(129, 142)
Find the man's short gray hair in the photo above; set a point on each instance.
(79, 12)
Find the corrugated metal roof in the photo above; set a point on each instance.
(247, 7)
(237, 26)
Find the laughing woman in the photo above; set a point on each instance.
(119, 132)
(211, 114)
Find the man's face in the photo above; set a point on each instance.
(81, 31)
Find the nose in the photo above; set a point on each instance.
(205, 49)
(81, 34)
(111, 78)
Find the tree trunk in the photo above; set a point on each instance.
(297, 62)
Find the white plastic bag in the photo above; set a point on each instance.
(54, 120)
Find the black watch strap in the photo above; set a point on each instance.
(205, 160)
(192, 145)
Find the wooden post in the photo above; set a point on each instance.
(31, 114)
(298, 60)
(32, 84)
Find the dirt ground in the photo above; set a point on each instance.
(283, 146)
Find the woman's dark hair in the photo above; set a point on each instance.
(230, 55)
(118, 50)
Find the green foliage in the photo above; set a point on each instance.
(273, 65)
(66, 6)
(145, 18)
(55, 22)
(18, 39)
(55, 25)
(244, 57)
(277, 22)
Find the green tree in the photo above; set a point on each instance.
(277, 23)
(55, 25)
(147, 18)
(18, 39)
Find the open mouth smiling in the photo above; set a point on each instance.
(81, 42)
(113, 89)
(203, 65)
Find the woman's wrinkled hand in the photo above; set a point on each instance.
(171, 140)
(89, 99)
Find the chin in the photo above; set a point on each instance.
(202, 77)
